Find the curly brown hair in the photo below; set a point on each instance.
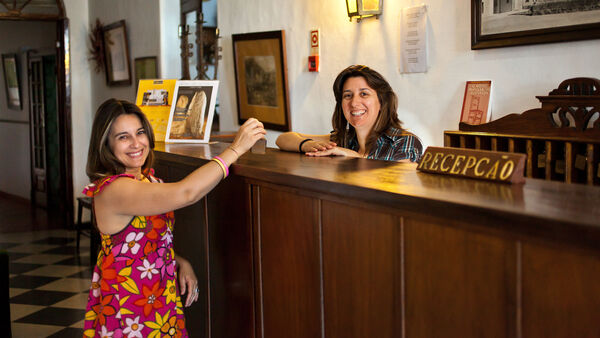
(101, 161)
(388, 117)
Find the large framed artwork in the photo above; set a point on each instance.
(116, 54)
(192, 110)
(261, 78)
(10, 66)
(502, 23)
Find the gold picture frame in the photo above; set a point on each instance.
(261, 78)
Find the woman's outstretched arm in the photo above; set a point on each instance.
(293, 141)
(125, 197)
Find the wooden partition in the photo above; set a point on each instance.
(561, 139)
(294, 246)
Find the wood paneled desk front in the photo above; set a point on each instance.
(293, 246)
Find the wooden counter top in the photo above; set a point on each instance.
(295, 246)
(543, 206)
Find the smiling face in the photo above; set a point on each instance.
(129, 143)
(360, 104)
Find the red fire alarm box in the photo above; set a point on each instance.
(313, 59)
(313, 63)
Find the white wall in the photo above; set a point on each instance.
(15, 166)
(143, 33)
(81, 106)
(170, 62)
(429, 103)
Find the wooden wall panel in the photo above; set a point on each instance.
(230, 257)
(458, 283)
(190, 240)
(561, 292)
(287, 251)
(362, 272)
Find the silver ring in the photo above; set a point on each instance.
(196, 290)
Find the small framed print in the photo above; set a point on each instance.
(192, 110)
(10, 66)
(145, 68)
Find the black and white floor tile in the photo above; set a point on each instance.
(49, 282)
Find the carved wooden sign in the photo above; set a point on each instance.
(478, 164)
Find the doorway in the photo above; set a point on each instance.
(50, 112)
(43, 117)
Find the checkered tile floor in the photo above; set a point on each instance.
(49, 282)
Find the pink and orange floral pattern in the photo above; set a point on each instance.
(134, 291)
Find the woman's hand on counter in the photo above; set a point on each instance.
(317, 145)
(335, 151)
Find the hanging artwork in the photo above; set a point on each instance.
(116, 51)
(261, 78)
(11, 81)
(511, 23)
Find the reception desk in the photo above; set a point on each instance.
(294, 246)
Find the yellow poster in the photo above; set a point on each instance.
(154, 97)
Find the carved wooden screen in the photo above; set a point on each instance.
(561, 139)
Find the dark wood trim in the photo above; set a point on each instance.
(63, 71)
(14, 121)
(15, 197)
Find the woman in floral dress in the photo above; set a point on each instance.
(138, 279)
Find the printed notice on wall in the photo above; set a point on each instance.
(413, 40)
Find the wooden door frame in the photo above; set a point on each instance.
(63, 70)
(63, 89)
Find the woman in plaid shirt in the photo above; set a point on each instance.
(365, 122)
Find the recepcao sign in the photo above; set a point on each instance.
(479, 164)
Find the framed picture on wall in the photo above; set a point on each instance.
(145, 68)
(497, 23)
(192, 110)
(261, 78)
(10, 66)
(116, 54)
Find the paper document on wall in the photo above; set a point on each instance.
(413, 40)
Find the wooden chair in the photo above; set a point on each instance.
(83, 202)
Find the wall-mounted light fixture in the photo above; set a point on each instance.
(364, 9)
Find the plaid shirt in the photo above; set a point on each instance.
(393, 145)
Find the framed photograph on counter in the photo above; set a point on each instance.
(116, 54)
(509, 23)
(261, 78)
(192, 110)
(10, 67)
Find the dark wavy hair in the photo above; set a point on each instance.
(388, 117)
(101, 161)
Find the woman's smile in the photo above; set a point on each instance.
(360, 104)
(129, 142)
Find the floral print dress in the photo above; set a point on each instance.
(134, 290)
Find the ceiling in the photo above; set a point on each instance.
(31, 9)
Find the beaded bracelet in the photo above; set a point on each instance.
(222, 164)
(301, 143)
